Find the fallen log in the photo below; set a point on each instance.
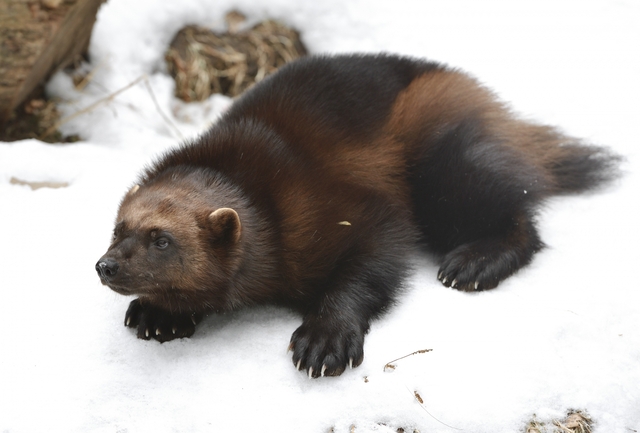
(38, 37)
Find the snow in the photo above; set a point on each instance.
(562, 334)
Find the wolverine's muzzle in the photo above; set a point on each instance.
(107, 268)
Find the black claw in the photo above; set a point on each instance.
(325, 352)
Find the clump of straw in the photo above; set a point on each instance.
(203, 62)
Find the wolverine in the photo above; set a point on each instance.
(315, 187)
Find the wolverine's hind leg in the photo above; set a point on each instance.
(475, 197)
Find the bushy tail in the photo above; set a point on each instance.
(578, 168)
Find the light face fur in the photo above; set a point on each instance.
(318, 183)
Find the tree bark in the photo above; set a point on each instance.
(38, 37)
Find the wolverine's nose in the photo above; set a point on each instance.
(107, 268)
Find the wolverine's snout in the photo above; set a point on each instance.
(107, 268)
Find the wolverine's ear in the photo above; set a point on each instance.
(224, 224)
(133, 190)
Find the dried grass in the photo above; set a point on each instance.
(535, 426)
(203, 62)
(35, 118)
(576, 421)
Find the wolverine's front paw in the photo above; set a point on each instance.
(159, 324)
(324, 350)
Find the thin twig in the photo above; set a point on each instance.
(89, 77)
(391, 366)
(110, 97)
(417, 397)
(90, 107)
(155, 101)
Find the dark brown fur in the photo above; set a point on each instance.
(315, 187)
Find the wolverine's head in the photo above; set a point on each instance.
(170, 242)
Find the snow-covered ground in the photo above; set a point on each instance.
(562, 334)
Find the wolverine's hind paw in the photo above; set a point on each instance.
(466, 286)
(161, 325)
(477, 266)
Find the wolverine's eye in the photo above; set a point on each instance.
(161, 243)
(116, 230)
